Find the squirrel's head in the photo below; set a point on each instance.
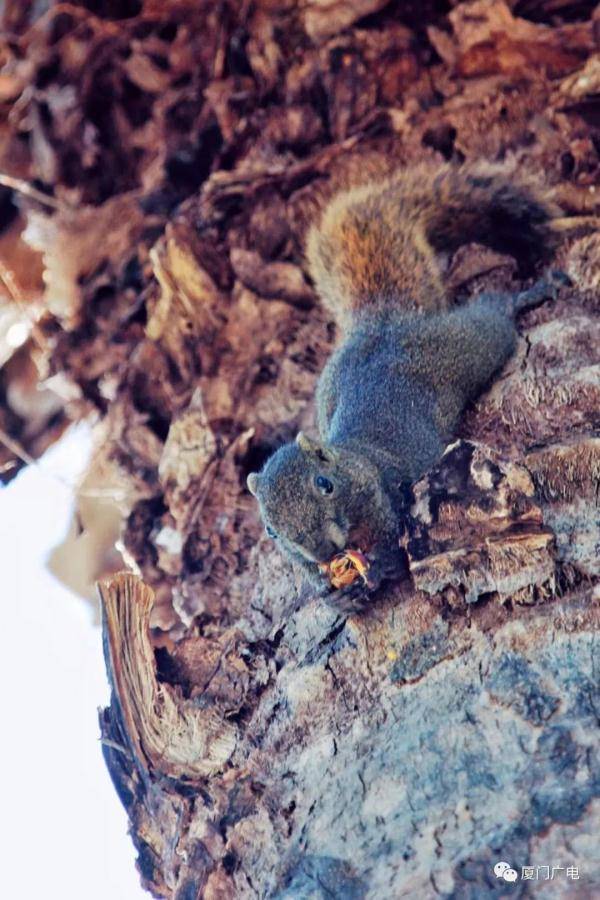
(307, 491)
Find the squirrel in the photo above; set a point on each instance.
(390, 397)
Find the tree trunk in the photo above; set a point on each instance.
(262, 743)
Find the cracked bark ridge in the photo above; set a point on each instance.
(403, 751)
(474, 528)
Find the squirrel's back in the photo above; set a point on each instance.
(376, 244)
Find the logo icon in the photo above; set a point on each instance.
(505, 871)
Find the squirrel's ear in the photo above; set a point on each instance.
(252, 482)
(304, 442)
(307, 444)
(315, 448)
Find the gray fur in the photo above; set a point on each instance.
(388, 402)
(390, 398)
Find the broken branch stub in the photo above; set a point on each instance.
(167, 734)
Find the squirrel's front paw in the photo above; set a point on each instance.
(357, 596)
(352, 598)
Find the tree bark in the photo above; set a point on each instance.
(262, 743)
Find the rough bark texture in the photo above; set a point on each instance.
(262, 744)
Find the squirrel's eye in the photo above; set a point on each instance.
(323, 484)
(270, 532)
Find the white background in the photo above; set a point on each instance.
(65, 829)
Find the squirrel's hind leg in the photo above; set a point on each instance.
(546, 288)
(458, 353)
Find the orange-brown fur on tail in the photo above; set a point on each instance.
(376, 245)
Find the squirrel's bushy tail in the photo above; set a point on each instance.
(376, 244)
